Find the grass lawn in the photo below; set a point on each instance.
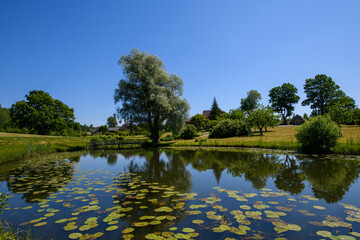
(282, 137)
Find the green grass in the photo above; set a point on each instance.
(282, 137)
(15, 146)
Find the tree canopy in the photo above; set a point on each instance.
(111, 121)
(42, 114)
(147, 93)
(215, 111)
(283, 98)
(321, 93)
(4, 117)
(251, 101)
(263, 117)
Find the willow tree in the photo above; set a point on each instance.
(147, 93)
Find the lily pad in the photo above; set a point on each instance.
(75, 235)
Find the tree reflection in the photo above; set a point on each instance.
(161, 180)
(38, 181)
(290, 178)
(330, 179)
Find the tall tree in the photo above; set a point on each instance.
(251, 101)
(111, 121)
(283, 98)
(215, 111)
(321, 93)
(148, 93)
(42, 114)
(198, 121)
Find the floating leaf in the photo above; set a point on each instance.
(112, 228)
(140, 224)
(324, 233)
(40, 224)
(127, 230)
(75, 235)
(188, 230)
(173, 228)
(197, 221)
(319, 207)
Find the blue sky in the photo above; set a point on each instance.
(70, 49)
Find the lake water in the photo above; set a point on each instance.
(184, 194)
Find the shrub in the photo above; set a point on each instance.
(318, 135)
(230, 128)
(188, 132)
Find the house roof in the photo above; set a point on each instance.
(206, 113)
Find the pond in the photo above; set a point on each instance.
(184, 194)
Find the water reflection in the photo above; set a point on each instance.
(38, 181)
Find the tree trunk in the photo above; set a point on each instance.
(155, 133)
(261, 132)
(284, 119)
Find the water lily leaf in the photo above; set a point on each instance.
(163, 209)
(70, 227)
(355, 234)
(140, 224)
(112, 228)
(151, 236)
(188, 230)
(197, 221)
(245, 207)
(173, 228)
(127, 230)
(113, 222)
(342, 237)
(28, 207)
(324, 233)
(75, 235)
(40, 224)
(49, 214)
(280, 229)
(155, 222)
(319, 207)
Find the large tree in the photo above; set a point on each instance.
(215, 111)
(42, 114)
(251, 102)
(147, 93)
(321, 93)
(283, 98)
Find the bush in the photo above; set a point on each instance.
(230, 128)
(318, 135)
(188, 132)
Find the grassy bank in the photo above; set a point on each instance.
(15, 146)
(282, 137)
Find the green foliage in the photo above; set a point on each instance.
(111, 121)
(318, 135)
(306, 116)
(5, 119)
(215, 111)
(199, 121)
(340, 114)
(251, 102)
(321, 93)
(262, 117)
(188, 132)
(103, 129)
(42, 114)
(148, 93)
(236, 114)
(230, 128)
(356, 116)
(210, 124)
(283, 98)
(176, 120)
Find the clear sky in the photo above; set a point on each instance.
(70, 49)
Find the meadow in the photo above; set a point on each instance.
(282, 137)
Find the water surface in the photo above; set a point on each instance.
(183, 194)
